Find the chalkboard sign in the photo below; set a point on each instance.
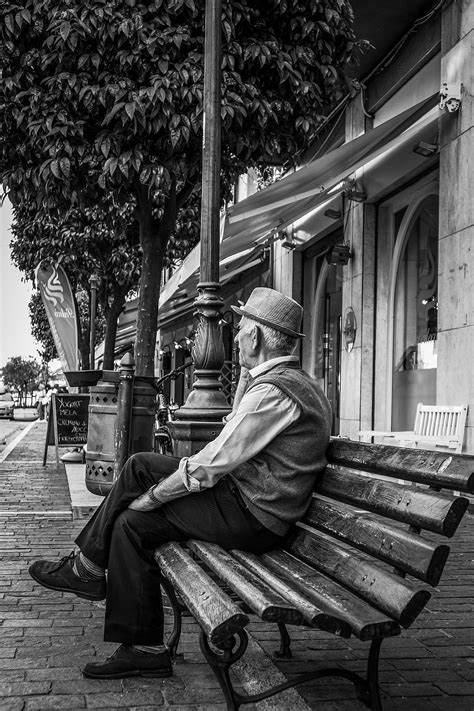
(67, 422)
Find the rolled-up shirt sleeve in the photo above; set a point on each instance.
(262, 414)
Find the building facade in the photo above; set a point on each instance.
(373, 232)
(395, 325)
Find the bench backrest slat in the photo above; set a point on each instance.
(433, 511)
(397, 597)
(439, 469)
(366, 622)
(394, 545)
(217, 614)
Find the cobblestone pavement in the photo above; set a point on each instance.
(47, 637)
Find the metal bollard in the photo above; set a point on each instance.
(124, 413)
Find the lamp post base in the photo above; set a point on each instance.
(189, 437)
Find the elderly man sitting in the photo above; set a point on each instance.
(243, 490)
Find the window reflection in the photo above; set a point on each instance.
(416, 317)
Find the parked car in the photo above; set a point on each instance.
(6, 405)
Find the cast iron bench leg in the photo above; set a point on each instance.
(174, 637)
(285, 641)
(375, 702)
(221, 659)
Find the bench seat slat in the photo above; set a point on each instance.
(255, 592)
(218, 616)
(365, 621)
(449, 471)
(433, 511)
(407, 551)
(395, 596)
(320, 616)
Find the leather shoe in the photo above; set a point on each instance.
(59, 575)
(127, 661)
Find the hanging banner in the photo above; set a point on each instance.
(60, 306)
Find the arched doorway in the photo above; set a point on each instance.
(415, 313)
(327, 334)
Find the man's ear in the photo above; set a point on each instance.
(257, 336)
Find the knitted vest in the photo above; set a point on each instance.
(277, 483)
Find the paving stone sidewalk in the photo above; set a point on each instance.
(47, 637)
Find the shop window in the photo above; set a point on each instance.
(416, 317)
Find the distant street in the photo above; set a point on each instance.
(9, 429)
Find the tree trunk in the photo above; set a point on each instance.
(84, 347)
(154, 238)
(112, 314)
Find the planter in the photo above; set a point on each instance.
(100, 453)
(82, 378)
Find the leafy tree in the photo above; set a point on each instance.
(86, 240)
(40, 329)
(108, 96)
(21, 375)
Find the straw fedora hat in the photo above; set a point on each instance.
(271, 308)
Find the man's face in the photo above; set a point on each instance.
(245, 341)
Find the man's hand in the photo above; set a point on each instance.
(144, 503)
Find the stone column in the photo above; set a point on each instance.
(455, 373)
(357, 365)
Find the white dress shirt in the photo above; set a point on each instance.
(259, 417)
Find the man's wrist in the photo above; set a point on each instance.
(152, 495)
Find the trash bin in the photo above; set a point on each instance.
(100, 452)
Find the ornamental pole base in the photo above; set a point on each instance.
(190, 437)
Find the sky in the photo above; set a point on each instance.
(15, 335)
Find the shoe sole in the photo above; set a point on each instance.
(57, 588)
(157, 674)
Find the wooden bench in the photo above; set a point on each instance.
(357, 564)
(438, 427)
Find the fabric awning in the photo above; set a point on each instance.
(249, 223)
(288, 199)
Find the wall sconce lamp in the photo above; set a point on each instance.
(354, 192)
(356, 195)
(450, 96)
(189, 341)
(339, 255)
(265, 252)
(425, 149)
(177, 346)
(286, 239)
(333, 214)
(350, 329)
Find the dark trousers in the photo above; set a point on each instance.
(123, 541)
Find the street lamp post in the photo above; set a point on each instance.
(199, 419)
(94, 282)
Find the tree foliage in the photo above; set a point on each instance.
(103, 97)
(21, 375)
(40, 329)
(99, 240)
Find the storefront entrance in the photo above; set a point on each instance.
(323, 325)
(415, 315)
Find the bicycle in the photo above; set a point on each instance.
(163, 442)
